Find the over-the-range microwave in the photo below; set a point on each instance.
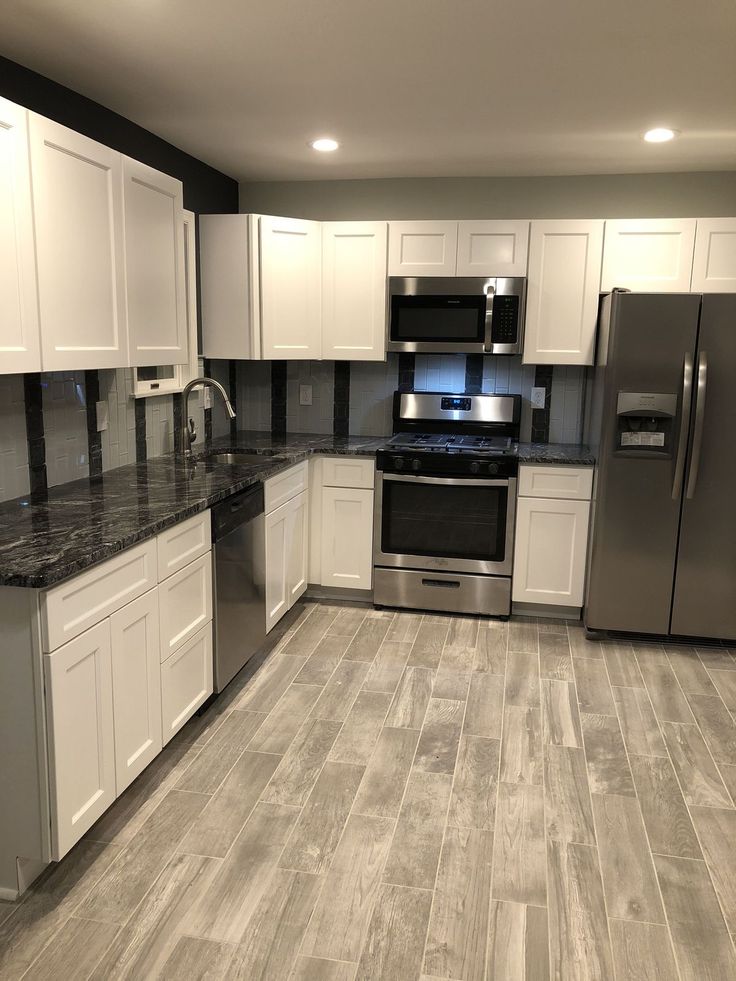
(463, 315)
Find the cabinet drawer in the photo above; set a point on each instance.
(69, 609)
(563, 483)
(280, 489)
(180, 545)
(185, 602)
(186, 681)
(345, 471)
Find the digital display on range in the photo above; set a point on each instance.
(456, 403)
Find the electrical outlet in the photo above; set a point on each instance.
(305, 395)
(538, 397)
(102, 409)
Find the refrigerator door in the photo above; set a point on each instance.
(705, 582)
(651, 339)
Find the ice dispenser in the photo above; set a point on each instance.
(645, 422)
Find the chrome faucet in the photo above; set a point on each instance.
(188, 430)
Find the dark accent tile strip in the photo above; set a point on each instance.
(207, 412)
(406, 372)
(278, 397)
(177, 405)
(233, 393)
(33, 394)
(474, 373)
(94, 438)
(341, 411)
(141, 450)
(540, 417)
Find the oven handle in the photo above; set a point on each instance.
(455, 481)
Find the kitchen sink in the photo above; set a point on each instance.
(242, 459)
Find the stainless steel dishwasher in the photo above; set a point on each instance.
(238, 582)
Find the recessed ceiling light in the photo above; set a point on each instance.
(325, 144)
(660, 134)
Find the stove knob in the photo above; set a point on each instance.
(492, 468)
(475, 467)
(398, 463)
(416, 464)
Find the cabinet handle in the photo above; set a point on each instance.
(442, 583)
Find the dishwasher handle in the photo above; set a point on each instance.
(237, 510)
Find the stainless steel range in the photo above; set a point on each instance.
(445, 503)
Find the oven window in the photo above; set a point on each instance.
(460, 319)
(444, 520)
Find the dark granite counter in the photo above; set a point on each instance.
(571, 454)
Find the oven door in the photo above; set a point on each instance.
(448, 524)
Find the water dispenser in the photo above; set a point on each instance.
(645, 423)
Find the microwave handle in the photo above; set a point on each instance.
(487, 342)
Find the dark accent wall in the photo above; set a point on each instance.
(341, 410)
(205, 189)
(540, 417)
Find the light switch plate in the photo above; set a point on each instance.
(538, 397)
(102, 416)
(305, 395)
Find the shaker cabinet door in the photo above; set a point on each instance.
(714, 265)
(492, 248)
(649, 255)
(276, 561)
(422, 248)
(297, 546)
(347, 537)
(550, 551)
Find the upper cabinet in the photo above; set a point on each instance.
(492, 248)
(154, 266)
(422, 248)
(78, 208)
(19, 337)
(354, 290)
(563, 291)
(651, 255)
(291, 264)
(714, 266)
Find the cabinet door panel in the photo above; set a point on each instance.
(276, 549)
(291, 320)
(154, 266)
(77, 190)
(19, 339)
(492, 248)
(136, 687)
(550, 551)
(354, 290)
(347, 537)
(79, 716)
(186, 681)
(297, 544)
(562, 297)
(651, 255)
(185, 601)
(714, 266)
(422, 248)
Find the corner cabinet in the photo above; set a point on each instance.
(563, 292)
(20, 349)
(714, 264)
(290, 261)
(651, 255)
(286, 541)
(78, 208)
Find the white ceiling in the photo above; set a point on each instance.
(410, 87)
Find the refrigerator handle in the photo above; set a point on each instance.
(687, 397)
(692, 479)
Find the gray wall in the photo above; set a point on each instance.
(698, 195)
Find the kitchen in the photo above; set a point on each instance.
(366, 557)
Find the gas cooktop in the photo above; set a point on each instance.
(455, 443)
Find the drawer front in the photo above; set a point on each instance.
(185, 602)
(180, 545)
(74, 606)
(278, 490)
(563, 483)
(186, 681)
(346, 471)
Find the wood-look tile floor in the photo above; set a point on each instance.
(402, 797)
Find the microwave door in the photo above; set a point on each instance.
(438, 323)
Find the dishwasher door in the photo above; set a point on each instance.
(238, 581)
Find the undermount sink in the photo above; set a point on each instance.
(242, 459)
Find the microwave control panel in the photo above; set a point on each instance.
(505, 320)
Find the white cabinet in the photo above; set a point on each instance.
(186, 681)
(136, 687)
(290, 257)
(651, 255)
(492, 248)
(286, 558)
(79, 720)
(714, 265)
(154, 266)
(78, 209)
(563, 291)
(19, 338)
(347, 537)
(551, 535)
(354, 290)
(185, 599)
(422, 248)
(297, 544)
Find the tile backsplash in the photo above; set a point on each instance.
(14, 477)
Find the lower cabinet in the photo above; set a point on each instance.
(550, 551)
(186, 681)
(347, 537)
(286, 547)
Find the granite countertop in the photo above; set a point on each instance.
(76, 525)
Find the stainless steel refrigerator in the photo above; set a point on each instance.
(662, 418)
